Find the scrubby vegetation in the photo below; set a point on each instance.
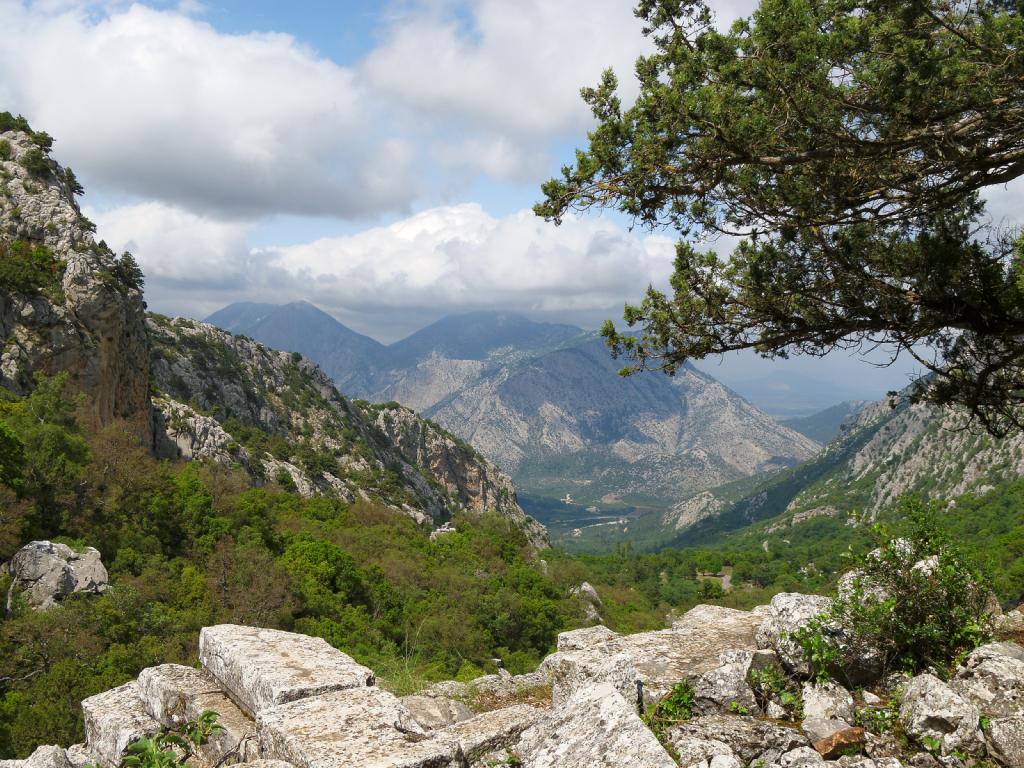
(27, 268)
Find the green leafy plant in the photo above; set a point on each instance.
(771, 684)
(29, 269)
(169, 749)
(35, 162)
(738, 709)
(914, 602)
(5, 150)
(674, 707)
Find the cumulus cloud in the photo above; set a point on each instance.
(437, 262)
(160, 105)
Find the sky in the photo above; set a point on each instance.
(378, 159)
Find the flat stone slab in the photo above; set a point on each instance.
(263, 668)
(662, 658)
(492, 731)
(113, 720)
(356, 728)
(174, 695)
(433, 712)
(596, 728)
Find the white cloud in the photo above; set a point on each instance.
(159, 105)
(440, 261)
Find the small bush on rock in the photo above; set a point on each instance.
(911, 604)
(34, 161)
(27, 269)
(674, 707)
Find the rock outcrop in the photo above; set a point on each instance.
(46, 573)
(290, 701)
(90, 323)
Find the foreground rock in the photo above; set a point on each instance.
(992, 678)
(749, 739)
(788, 613)
(261, 668)
(930, 709)
(594, 727)
(46, 573)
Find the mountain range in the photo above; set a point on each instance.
(545, 402)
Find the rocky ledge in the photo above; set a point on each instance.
(289, 700)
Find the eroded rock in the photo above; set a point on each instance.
(829, 701)
(595, 727)
(930, 709)
(1005, 738)
(992, 678)
(357, 727)
(113, 720)
(261, 668)
(789, 612)
(492, 732)
(749, 738)
(433, 712)
(45, 573)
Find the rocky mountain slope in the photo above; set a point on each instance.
(545, 402)
(69, 305)
(881, 454)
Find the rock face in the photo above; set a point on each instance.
(787, 613)
(289, 701)
(992, 678)
(45, 573)
(327, 444)
(91, 325)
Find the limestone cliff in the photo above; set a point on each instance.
(90, 322)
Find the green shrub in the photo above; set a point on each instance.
(674, 707)
(35, 162)
(169, 749)
(27, 269)
(914, 603)
(6, 152)
(9, 122)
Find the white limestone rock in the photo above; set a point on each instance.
(433, 712)
(1005, 738)
(573, 671)
(828, 701)
(348, 728)
(801, 757)
(261, 668)
(113, 720)
(584, 639)
(79, 755)
(992, 678)
(173, 695)
(693, 751)
(48, 757)
(46, 573)
(818, 728)
(749, 738)
(596, 728)
(492, 732)
(787, 613)
(931, 709)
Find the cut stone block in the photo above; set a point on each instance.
(174, 695)
(357, 728)
(262, 668)
(433, 712)
(596, 728)
(492, 731)
(113, 720)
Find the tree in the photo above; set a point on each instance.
(846, 142)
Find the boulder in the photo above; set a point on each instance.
(79, 756)
(360, 726)
(842, 742)
(595, 728)
(433, 712)
(492, 732)
(749, 738)
(828, 701)
(590, 600)
(818, 728)
(801, 757)
(173, 695)
(48, 757)
(661, 659)
(930, 709)
(261, 668)
(725, 689)
(113, 720)
(1005, 737)
(787, 613)
(46, 573)
(992, 678)
(572, 671)
(693, 751)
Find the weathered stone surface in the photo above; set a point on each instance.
(46, 573)
(818, 728)
(787, 613)
(693, 751)
(1005, 737)
(575, 670)
(931, 709)
(750, 739)
(725, 689)
(992, 678)
(174, 695)
(265, 763)
(347, 728)
(113, 720)
(829, 701)
(79, 755)
(492, 731)
(689, 649)
(596, 727)
(433, 712)
(261, 668)
(801, 757)
(841, 742)
(48, 757)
